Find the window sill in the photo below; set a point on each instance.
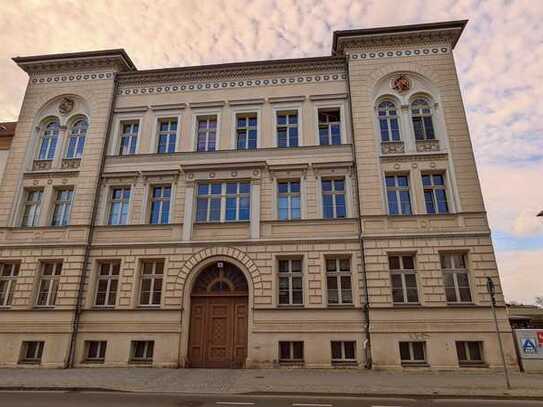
(29, 362)
(291, 363)
(473, 364)
(344, 363)
(144, 307)
(226, 222)
(141, 362)
(94, 362)
(341, 306)
(43, 307)
(415, 364)
(460, 304)
(291, 306)
(407, 304)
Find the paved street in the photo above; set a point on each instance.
(84, 399)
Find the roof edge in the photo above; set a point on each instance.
(400, 29)
(26, 63)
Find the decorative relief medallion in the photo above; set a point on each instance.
(256, 173)
(234, 173)
(397, 166)
(211, 175)
(66, 105)
(400, 84)
(414, 165)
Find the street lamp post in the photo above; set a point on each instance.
(492, 291)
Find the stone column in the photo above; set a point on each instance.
(255, 209)
(188, 218)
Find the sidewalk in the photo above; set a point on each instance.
(292, 381)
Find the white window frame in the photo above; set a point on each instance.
(161, 201)
(278, 108)
(338, 274)
(290, 275)
(156, 132)
(289, 195)
(38, 353)
(9, 272)
(346, 195)
(148, 344)
(52, 286)
(109, 278)
(388, 118)
(397, 189)
(246, 110)
(154, 287)
(42, 135)
(343, 359)
(469, 361)
(117, 131)
(101, 351)
(454, 271)
(430, 103)
(412, 360)
(66, 205)
(402, 272)
(79, 136)
(328, 105)
(197, 113)
(223, 195)
(110, 203)
(291, 358)
(37, 204)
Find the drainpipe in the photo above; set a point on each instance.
(77, 313)
(366, 305)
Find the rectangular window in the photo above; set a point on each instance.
(49, 282)
(291, 352)
(404, 279)
(333, 198)
(31, 207)
(435, 194)
(226, 202)
(343, 352)
(291, 285)
(456, 278)
(167, 135)
(8, 279)
(289, 200)
(470, 353)
(207, 133)
(398, 197)
(107, 283)
(246, 131)
(62, 207)
(118, 206)
(129, 138)
(142, 351)
(151, 283)
(160, 204)
(287, 129)
(413, 353)
(338, 281)
(96, 351)
(329, 126)
(31, 352)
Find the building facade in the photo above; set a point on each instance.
(309, 212)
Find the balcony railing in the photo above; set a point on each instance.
(40, 165)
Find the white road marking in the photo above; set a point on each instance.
(234, 403)
(310, 405)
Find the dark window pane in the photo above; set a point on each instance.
(350, 350)
(474, 351)
(298, 350)
(336, 350)
(404, 351)
(394, 262)
(418, 351)
(284, 350)
(408, 262)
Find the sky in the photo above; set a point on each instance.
(499, 59)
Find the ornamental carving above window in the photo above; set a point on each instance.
(220, 278)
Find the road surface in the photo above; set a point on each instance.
(107, 399)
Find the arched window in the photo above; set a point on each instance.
(49, 139)
(388, 121)
(421, 115)
(76, 142)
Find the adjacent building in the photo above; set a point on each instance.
(307, 212)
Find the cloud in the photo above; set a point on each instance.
(499, 61)
(520, 273)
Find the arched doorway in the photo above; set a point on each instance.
(219, 318)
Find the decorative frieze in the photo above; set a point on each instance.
(73, 77)
(399, 53)
(392, 147)
(229, 84)
(427, 146)
(40, 165)
(71, 163)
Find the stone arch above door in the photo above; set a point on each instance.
(229, 252)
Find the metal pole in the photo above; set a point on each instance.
(490, 287)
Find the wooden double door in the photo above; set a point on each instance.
(218, 331)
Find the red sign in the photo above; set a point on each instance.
(540, 338)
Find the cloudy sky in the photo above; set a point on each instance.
(500, 62)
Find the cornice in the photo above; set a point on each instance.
(234, 70)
